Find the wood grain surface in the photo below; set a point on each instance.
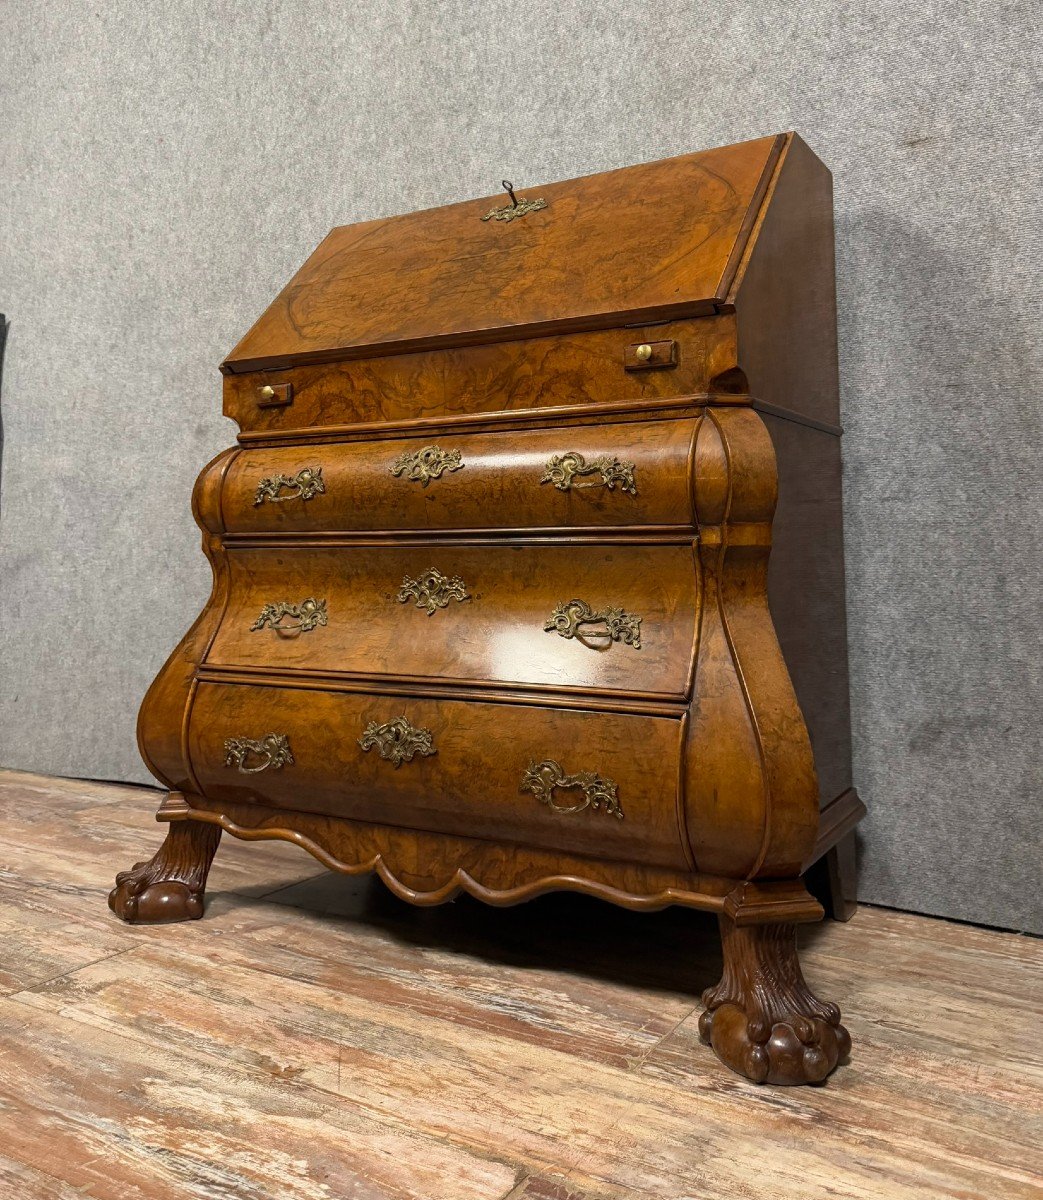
(470, 785)
(558, 371)
(575, 261)
(363, 493)
(496, 632)
(603, 687)
(315, 1038)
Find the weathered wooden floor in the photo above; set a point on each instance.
(314, 1039)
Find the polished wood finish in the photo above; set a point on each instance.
(362, 494)
(495, 608)
(761, 1019)
(566, 371)
(315, 1037)
(470, 785)
(170, 886)
(644, 243)
(496, 634)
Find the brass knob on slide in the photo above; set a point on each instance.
(266, 392)
(643, 353)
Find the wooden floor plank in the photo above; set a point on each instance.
(40, 942)
(124, 1120)
(446, 969)
(330, 1041)
(555, 1109)
(82, 836)
(25, 793)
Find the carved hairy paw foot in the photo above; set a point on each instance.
(762, 1020)
(170, 887)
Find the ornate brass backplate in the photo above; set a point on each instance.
(304, 617)
(510, 212)
(273, 748)
(572, 616)
(431, 589)
(306, 484)
(424, 465)
(563, 469)
(516, 208)
(397, 740)
(542, 779)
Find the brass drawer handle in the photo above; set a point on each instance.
(568, 619)
(307, 615)
(650, 356)
(431, 589)
(542, 779)
(306, 484)
(274, 748)
(424, 465)
(397, 740)
(562, 469)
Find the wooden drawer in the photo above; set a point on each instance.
(535, 373)
(483, 617)
(463, 767)
(623, 474)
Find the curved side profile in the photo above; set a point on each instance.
(517, 588)
(747, 807)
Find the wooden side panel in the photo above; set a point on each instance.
(785, 293)
(806, 592)
(643, 243)
(751, 788)
(161, 719)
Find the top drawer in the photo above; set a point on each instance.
(567, 370)
(632, 473)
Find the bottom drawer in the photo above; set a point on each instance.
(602, 784)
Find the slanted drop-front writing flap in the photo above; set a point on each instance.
(642, 243)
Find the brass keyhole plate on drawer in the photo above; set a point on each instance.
(398, 741)
(421, 466)
(432, 590)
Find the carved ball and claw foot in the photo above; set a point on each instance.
(762, 1019)
(170, 886)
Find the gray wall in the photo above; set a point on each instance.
(167, 167)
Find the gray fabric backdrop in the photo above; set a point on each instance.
(167, 167)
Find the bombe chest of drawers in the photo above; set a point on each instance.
(528, 573)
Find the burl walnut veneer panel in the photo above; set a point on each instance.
(496, 607)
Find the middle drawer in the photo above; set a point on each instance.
(592, 616)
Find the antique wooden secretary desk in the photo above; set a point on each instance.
(493, 606)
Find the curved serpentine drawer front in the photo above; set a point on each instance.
(593, 616)
(633, 473)
(585, 782)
